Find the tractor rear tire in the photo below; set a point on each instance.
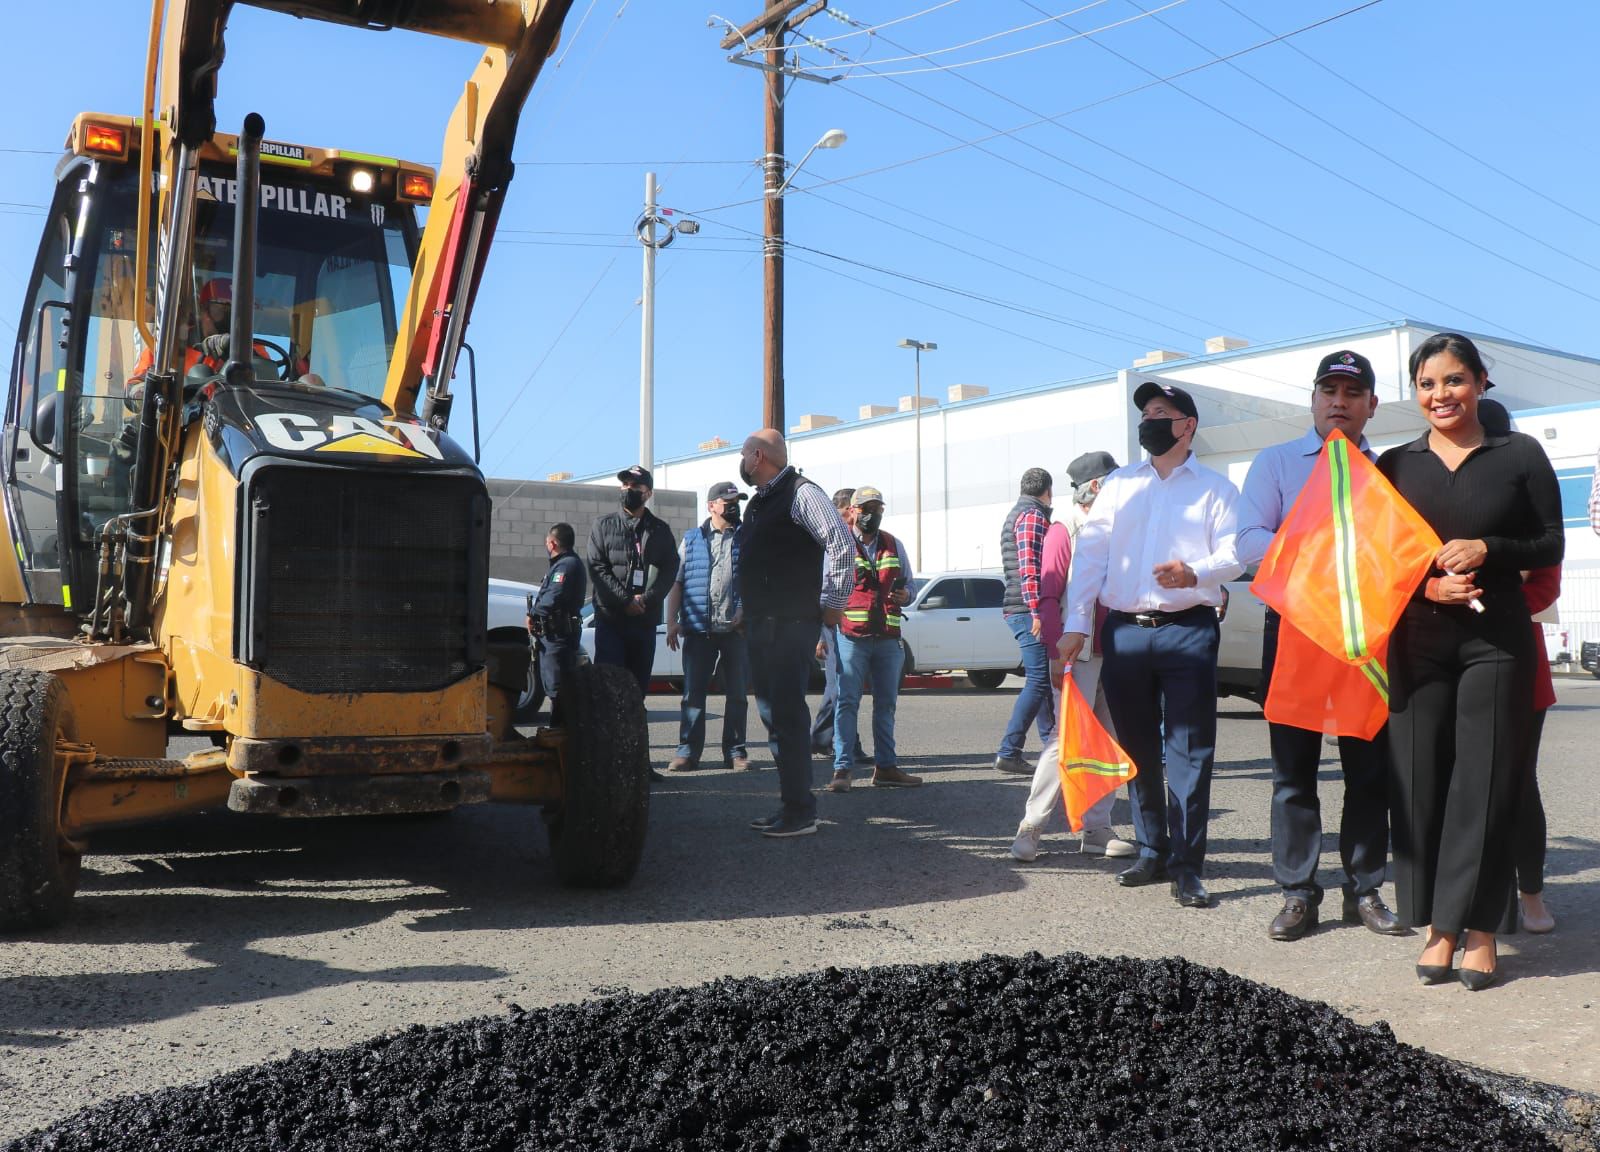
(597, 830)
(38, 866)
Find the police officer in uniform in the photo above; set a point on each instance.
(553, 614)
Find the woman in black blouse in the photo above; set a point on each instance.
(1461, 678)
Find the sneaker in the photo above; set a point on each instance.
(791, 826)
(762, 823)
(1105, 842)
(840, 781)
(889, 776)
(740, 764)
(1013, 765)
(682, 764)
(1026, 846)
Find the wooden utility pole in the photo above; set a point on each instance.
(766, 33)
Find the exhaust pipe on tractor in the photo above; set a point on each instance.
(240, 371)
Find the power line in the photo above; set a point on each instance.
(1069, 112)
(1119, 208)
(868, 30)
(1006, 55)
(626, 163)
(969, 44)
(1006, 267)
(1332, 171)
(1460, 149)
(949, 311)
(547, 352)
(1341, 257)
(1435, 185)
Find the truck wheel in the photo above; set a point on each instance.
(38, 866)
(597, 830)
(988, 679)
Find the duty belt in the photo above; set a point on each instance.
(1155, 619)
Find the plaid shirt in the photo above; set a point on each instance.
(1030, 528)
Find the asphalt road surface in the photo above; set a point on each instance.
(212, 943)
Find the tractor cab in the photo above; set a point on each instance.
(336, 236)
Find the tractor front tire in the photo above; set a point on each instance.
(38, 866)
(597, 829)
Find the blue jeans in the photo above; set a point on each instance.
(862, 659)
(627, 642)
(702, 651)
(1167, 672)
(822, 721)
(1033, 702)
(781, 652)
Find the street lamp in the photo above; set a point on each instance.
(645, 229)
(918, 347)
(772, 249)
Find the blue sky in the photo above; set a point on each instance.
(1422, 158)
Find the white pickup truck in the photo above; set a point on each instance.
(1239, 652)
(954, 623)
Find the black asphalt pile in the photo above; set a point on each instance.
(995, 1054)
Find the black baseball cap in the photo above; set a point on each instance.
(1348, 365)
(1181, 400)
(638, 474)
(725, 490)
(1091, 466)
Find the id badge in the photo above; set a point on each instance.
(638, 580)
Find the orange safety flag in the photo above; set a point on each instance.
(1092, 763)
(1347, 557)
(1313, 690)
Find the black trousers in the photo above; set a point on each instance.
(1461, 699)
(1297, 813)
(1530, 816)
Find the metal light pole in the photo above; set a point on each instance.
(918, 347)
(645, 229)
(772, 250)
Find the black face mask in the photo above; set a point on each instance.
(868, 522)
(633, 499)
(1156, 437)
(744, 474)
(730, 512)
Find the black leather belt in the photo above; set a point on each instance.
(1154, 619)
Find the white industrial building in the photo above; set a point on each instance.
(975, 446)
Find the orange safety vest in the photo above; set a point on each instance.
(869, 611)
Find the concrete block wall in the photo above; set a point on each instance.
(523, 511)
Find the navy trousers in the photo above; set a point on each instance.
(1166, 673)
(628, 642)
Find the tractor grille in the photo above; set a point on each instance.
(360, 582)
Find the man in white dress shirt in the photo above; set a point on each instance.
(1156, 550)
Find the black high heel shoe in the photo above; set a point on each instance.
(1431, 974)
(1441, 973)
(1476, 979)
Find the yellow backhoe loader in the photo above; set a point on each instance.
(231, 506)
